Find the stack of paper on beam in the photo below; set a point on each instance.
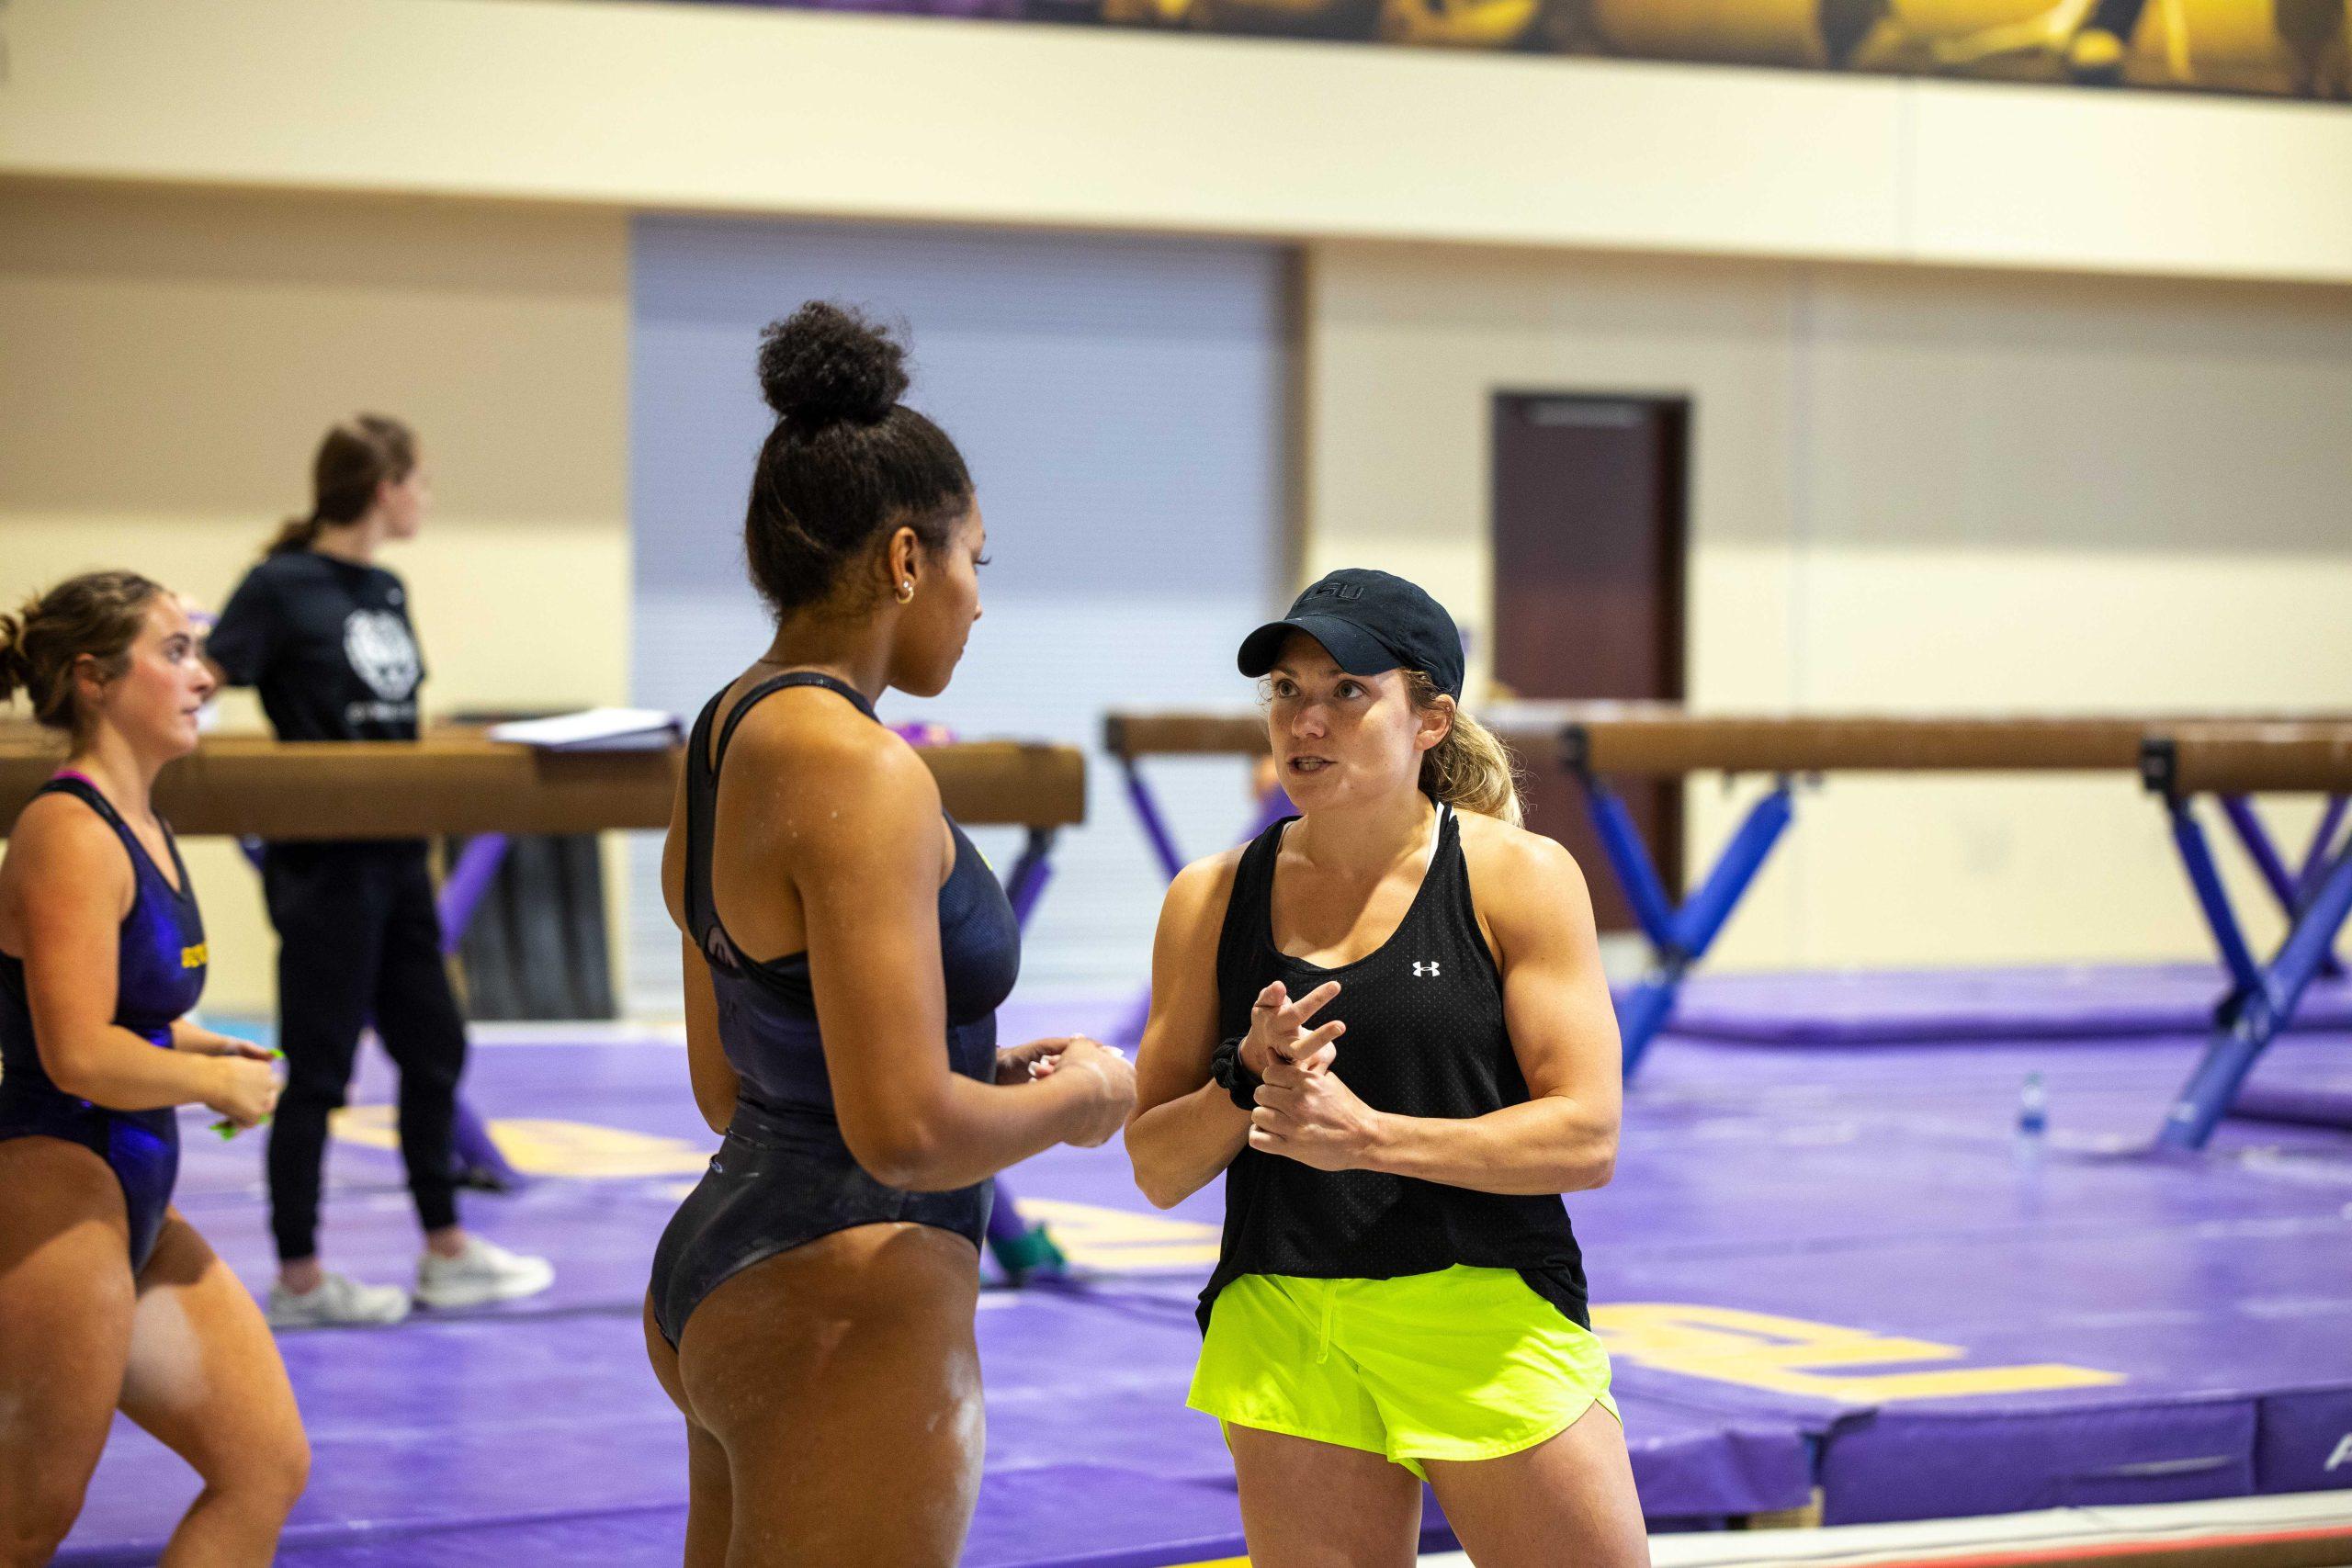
(594, 730)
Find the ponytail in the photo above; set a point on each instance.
(1470, 770)
(295, 534)
(357, 459)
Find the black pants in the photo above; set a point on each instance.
(359, 940)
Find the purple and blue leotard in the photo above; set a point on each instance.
(159, 974)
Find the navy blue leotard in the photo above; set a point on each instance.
(785, 1177)
(159, 975)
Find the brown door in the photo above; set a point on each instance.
(1589, 533)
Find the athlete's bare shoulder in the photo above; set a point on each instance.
(1201, 889)
(823, 756)
(59, 822)
(1212, 871)
(1521, 879)
(60, 846)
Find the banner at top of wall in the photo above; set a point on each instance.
(2271, 48)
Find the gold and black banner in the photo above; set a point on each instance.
(2270, 48)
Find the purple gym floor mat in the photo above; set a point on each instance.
(2301, 1104)
(1879, 1007)
(1838, 1268)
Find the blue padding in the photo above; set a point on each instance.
(1629, 857)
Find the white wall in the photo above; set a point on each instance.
(1910, 491)
(739, 108)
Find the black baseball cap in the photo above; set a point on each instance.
(1370, 623)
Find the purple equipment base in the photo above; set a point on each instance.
(1875, 1193)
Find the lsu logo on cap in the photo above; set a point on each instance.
(195, 957)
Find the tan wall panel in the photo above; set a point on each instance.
(2215, 187)
(1404, 348)
(175, 357)
(1910, 490)
(1946, 871)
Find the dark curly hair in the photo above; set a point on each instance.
(846, 461)
(98, 613)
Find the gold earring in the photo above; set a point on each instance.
(906, 589)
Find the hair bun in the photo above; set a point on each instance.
(827, 363)
(15, 673)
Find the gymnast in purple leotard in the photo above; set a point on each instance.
(108, 1298)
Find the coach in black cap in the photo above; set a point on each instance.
(1385, 1023)
(1370, 623)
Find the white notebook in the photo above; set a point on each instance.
(594, 730)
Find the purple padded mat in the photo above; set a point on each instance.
(1878, 1007)
(2305, 1105)
(1875, 1193)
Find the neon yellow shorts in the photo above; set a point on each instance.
(1460, 1364)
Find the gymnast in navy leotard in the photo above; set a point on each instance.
(159, 975)
(786, 1176)
(845, 950)
(108, 1298)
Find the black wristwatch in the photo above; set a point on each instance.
(1233, 1075)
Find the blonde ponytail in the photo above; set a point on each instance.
(1471, 768)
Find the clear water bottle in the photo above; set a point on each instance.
(2033, 1108)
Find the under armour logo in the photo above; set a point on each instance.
(1424, 971)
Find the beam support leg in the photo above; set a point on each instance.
(2262, 1001)
(1679, 938)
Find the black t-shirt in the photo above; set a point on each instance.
(327, 642)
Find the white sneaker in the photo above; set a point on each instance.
(337, 1301)
(484, 1272)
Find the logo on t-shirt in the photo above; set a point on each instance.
(1425, 971)
(382, 653)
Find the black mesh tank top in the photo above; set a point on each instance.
(1425, 1037)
